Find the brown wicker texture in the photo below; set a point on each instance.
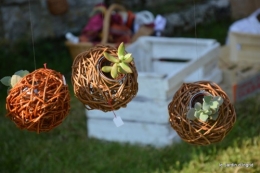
(39, 102)
(58, 7)
(96, 91)
(196, 131)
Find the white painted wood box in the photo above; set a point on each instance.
(163, 64)
(244, 48)
(241, 79)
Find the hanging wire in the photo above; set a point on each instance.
(32, 33)
(194, 17)
(195, 32)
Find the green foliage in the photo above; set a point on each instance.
(207, 110)
(12, 81)
(120, 64)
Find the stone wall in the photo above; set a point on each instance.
(17, 16)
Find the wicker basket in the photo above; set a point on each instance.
(57, 7)
(95, 90)
(39, 102)
(77, 48)
(196, 131)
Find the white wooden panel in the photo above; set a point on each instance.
(157, 89)
(147, 48)
(152, 86)
(158, 135)
(145, 109)
(192, 66)
(139, 110)
(215, 75)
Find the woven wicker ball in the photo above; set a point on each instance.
(39, 102)
(95, 90)
(196, 131)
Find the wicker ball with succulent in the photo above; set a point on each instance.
(37, 101)
(201, 113)
(104, 78)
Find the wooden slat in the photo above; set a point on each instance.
(210, 55)
(244, 47)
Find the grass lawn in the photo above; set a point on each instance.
(67, 149)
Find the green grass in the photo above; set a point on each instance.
(67, 149)
(213, 29)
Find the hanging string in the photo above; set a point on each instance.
(110, 104)
(195, 31)
(32, 33)
(194, 17)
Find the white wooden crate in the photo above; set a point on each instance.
(244, 48)
(146, 116)
(158, 79)
(155, 134)
(143, 109)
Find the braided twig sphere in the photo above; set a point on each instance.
(196, 131)
(95, 90)
(39, 102)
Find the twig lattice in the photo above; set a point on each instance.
(196, 131)
(39, 102)
(95, 90)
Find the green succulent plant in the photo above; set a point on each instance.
(11, 81)
(207, 110)
(120, 64)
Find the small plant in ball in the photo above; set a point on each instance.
(11, 81)
(120, 64)
(206, 110)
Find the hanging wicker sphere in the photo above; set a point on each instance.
(94, 89)
(196, 131)
(39, 102)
